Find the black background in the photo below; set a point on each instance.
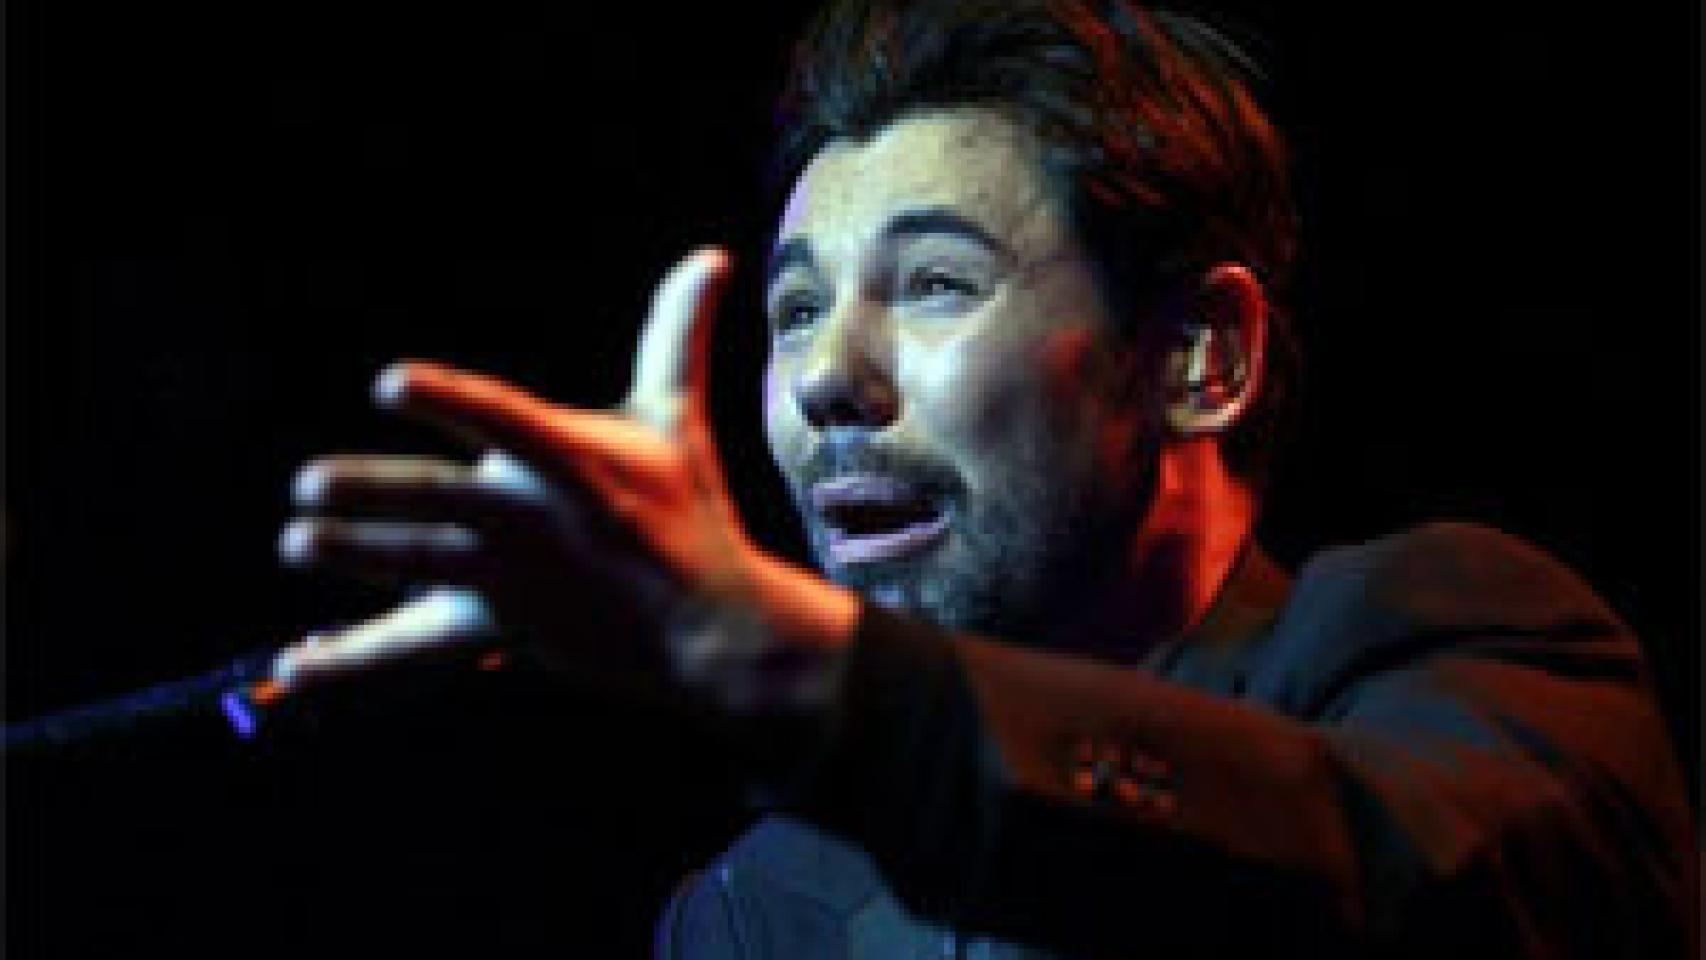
(225, 217)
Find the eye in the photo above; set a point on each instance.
(794, 312)
(935, 283)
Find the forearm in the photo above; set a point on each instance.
(996, 819)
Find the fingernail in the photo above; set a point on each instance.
(714, 258)
(288, 668)
(296, 542)
(389, 388)
(283, 680)
(309, 485)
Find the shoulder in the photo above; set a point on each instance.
(783, 886)
(1432, 589)
(1452, 574)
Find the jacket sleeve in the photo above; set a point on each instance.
(1502, 788)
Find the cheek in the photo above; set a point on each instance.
(1086, 386)
(952, 392)
(983, 388)
(1019, 411)
(782, 425)
(1064, 361)
(990, 401)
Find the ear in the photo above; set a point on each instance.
(1213, 368)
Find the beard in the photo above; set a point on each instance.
(1044, 530)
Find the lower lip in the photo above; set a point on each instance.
(845, 549)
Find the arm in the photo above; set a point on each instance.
(1506, 793)
(1448, 790)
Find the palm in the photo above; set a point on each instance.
(577, 525)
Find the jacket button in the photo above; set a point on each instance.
(1094, 768)
(1095, 780)
(1151, 785)
(1104, 772)
(1130, 792)
(1150, 769)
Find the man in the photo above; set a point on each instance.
(1028, 345)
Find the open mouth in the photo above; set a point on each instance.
(871, 517)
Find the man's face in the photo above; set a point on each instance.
(945, 395)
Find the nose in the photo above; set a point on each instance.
(848, 380)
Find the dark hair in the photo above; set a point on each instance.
(1147, 124)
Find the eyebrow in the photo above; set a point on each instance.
(925, 221)
(795, 253)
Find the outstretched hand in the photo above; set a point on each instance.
(606, 540)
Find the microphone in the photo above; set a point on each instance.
(259, 685)
(439, 621)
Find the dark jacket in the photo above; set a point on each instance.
(1438, 741)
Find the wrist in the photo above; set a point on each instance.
(803, 611)
(770, 642)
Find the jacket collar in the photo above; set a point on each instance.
(1244, 610)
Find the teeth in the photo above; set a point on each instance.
(862, 488)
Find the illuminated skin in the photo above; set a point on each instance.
(940, 354)
(938, 336)
(605, 540)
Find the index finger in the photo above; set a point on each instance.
(488, 412)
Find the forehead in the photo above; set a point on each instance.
(974, 162)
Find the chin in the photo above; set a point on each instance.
(941, 588)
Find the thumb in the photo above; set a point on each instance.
(672, 366)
